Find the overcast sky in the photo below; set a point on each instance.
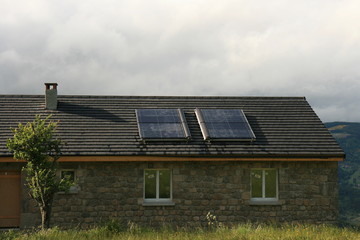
(305, 48)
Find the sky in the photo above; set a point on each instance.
(305, 48)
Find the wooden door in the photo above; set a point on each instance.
(10, 198)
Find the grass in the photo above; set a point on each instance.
(241, 232)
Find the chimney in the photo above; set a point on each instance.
(51, 96)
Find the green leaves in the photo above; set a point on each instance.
(35, 140)
(35, 143)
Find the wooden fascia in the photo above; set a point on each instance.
(183, 159)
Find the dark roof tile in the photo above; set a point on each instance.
(106, 125)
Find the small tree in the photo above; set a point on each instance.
(35, 143)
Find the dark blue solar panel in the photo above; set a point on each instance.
(160, 124)
(158, 115)
(225, 124)
(223, 115)
(161, 130)
(228, 130)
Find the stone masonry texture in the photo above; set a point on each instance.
(308, 193)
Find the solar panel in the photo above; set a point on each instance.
(224, 124)
(162, 124)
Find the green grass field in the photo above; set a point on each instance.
(246, 231)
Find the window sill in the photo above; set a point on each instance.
(265, 202)
(158, 203)
(72, 190)
(69, 192)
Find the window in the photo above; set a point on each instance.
(162, 124)
(264, 185)
(157, 186)
(224, 124)
(71, 175)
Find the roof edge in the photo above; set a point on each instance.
(153, 96)
(185, 159)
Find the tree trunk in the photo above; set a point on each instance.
(45, 212)
(43, 217)
(48, 215)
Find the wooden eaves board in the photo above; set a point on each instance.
(182, 159)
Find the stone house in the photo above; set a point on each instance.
(170, 160)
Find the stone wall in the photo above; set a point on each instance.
(308, 192)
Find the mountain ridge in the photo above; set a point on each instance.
(347, 134)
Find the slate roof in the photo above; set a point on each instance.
(106, 126)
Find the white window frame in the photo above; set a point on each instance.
(263, 198)
(157, 200)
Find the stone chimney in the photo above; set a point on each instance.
(51, 96)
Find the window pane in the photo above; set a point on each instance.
(164, 183)
(256, 183)
(69, 175)
(270, 183)
(150, 183)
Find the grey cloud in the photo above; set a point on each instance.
(304, 48)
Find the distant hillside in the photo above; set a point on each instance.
(348, 136)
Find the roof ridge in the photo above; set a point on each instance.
(152, 96)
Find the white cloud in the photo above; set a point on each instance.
(305, 48)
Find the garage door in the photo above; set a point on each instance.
(9, 199)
